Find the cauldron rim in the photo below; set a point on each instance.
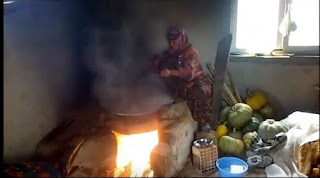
(142, 113)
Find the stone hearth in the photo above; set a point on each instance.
(176, 133)
(98, 153)
(175, 139)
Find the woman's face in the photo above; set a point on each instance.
(175, 44)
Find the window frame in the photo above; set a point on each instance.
(298, 50)
(233, 27)
(282, 42)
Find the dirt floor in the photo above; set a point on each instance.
(190, 171)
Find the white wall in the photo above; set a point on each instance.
(39, 73)
(125, 38)
(205, 21)
(290, 83)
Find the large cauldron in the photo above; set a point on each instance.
(135, 109)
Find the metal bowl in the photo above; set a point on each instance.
(203, 142)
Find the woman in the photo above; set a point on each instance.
(183, 75)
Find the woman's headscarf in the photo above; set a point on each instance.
(174, 33)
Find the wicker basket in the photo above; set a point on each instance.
(204, 159)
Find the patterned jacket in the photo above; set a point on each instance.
(187, 61)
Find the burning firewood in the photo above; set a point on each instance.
(122, 172)
(148, 173)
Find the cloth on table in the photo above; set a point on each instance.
(258, 160)
(304, 128)
(258, 155)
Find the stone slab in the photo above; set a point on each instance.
(171, 154)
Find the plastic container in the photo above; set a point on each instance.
(231, 167)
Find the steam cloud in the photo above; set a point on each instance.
(118, 58)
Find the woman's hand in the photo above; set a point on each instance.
(165, 73)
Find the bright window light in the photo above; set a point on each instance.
(306, 15)
(8, 2)
(257, 25)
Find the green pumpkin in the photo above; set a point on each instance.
(232, 146)
(253, 125)
(224, 103)
(239, 115)
(236, 134)
(269, 128)
(223, 114)
(267, 112)
(249, 138)
(258, 116)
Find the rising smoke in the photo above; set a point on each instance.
(119, 61)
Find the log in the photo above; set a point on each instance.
(237, 95)
(228, 96)
(54, 143)
(232, 98)
(226, 99)
(123, 172)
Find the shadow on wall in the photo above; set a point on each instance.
(41, 71)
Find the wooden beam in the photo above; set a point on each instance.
(220, 66)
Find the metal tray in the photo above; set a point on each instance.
(203, 142)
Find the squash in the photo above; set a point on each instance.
(258, 116)
(223, 114)
(269, 128)
(254, 103)
(257, 92)
(224, 103)
(236, 134)
(267, 112)
(232, 146)
(256, 99)
(222, 130)
(253, 125)
(239, 115)
(250, 138)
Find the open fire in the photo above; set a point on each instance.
(133, 154)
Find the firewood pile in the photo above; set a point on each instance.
(231, 96)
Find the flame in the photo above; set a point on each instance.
(134, 151)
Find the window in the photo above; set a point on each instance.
(9, 7)
(260, 26)
(6, 2)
